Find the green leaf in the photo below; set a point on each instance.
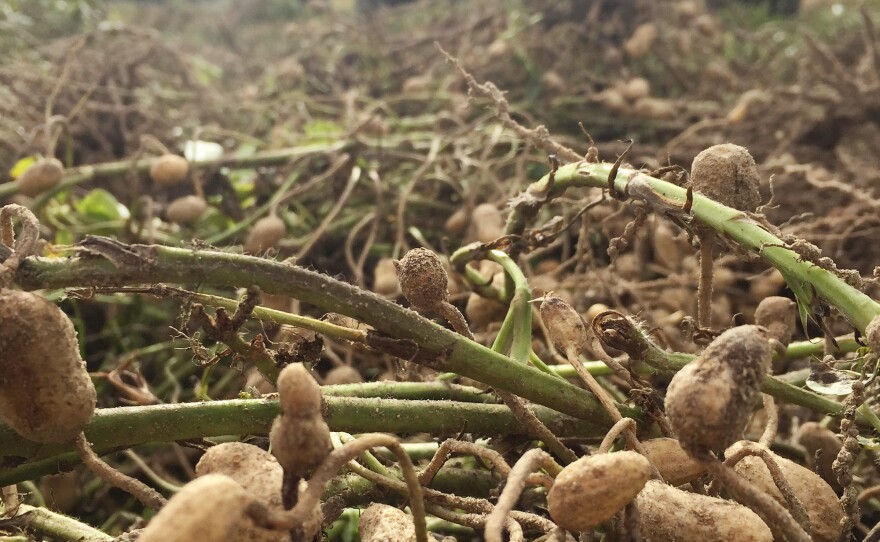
(100, 205)
(803, 293)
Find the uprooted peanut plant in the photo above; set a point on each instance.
(395, 314)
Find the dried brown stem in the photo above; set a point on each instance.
(704, 290)
(777, 518)
(299, 514)
(148, 496)
(772, 413)
(794, 505)
(624, 424)
(516, 482)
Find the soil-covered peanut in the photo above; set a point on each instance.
(709, 402)
(669, 514)
(564, 325)
(266, 233)
(186, 209)
(169, 169)
(46, 394)
(727, 174)
(816, 438)
(300, 438)
(42, 175)
(778, 315)
(423, 279)
(258, 472)
(383, 523)
(208, 509)
(818, 498)
(487, 222)
(674, 464)
(344, 374)
(591, 490)
(385, 277)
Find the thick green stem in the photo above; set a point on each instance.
(422, 341)
(184, 421)
(857, 307)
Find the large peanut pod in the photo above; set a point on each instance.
(46, 394)
(591, 490)
(815, 494)
(258, 472)
(383, 523)
(674, 464)
(667, 513)
(208, 509)
(710, 401)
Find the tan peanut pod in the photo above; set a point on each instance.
(258, 472)
(423, 279)
(591, 490)
(40, 176)
(727, 174)
(300, 438)
(385, 277)
(187, 209)
(778, 315)
(674, 464)
(667, 513)
(818, 498)
(872, 334)
(383, 523)
(487, 222)
(564, 325)
(46, 394)
(266, 233)
(344, 374)
(169, 169)
(814, 438)
(208, 509)
(641, 41)
(710, 401)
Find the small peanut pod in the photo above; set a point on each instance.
(591, 490)
(383, 523)
(815, 494)
(208, 509)
(169, 169)
(300, 438)
(266, 233)
(42, 175)
(710, 401)
(667, 513)
(727, 174)
(674, 464)
(46, 394)
(423, 279)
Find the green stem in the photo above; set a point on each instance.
(518, 320)
(423, 341)
(46, 522)
(857, 307)
(184, 421)
(84, 174)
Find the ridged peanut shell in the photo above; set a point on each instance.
(46, 394)
(668, 514)
(186, 209)
(208, 509)
(591, 490)
(423, 279)
(383, 523)
(675, 465)
(820, 501)
(727, 174)
(709, 402)
(258, 472)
